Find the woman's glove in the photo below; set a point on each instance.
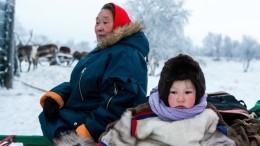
(51, 110)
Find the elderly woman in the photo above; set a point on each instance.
(110, 79)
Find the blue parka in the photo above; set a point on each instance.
(110, 79)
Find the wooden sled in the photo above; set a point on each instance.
(30, 140)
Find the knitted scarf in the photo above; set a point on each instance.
(166, 113)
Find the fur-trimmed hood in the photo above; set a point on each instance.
(119, 33)
(126, 34)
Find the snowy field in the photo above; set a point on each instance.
(20, 106)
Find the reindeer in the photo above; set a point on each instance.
(153, 63)
(65, 50)
(62, 56)
(28, 53)
(78, 55)
(48, 51)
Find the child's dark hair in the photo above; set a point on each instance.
(179, 68)
(109, 6)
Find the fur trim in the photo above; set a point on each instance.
(52, 95)
(119, 134)
(120, 33)
(72, 139)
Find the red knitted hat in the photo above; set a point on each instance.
(121, 18)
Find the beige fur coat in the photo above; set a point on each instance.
(197, 131)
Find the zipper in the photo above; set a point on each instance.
(115, 93)
(81, 74)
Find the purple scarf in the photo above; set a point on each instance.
(166, 113)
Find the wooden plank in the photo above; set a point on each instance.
(30, 140)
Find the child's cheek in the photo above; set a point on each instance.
(190, 102)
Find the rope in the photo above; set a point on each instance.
(31, 86)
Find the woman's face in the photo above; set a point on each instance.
(104, 24)
(182, 94)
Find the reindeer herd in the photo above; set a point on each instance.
(50, 53)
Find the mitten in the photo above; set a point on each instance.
(51, 110)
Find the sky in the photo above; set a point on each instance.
(75, 19)
(233, 18)
(20, 106)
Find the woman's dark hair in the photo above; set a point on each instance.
(179, 68)
(110, 7)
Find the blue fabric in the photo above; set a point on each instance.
(49, 129)
(104, 84)
(222, 129)
(101, 144)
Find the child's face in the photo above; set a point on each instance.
(182, 94)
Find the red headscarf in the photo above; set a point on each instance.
(121, 18)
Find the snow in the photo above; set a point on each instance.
(20, 106)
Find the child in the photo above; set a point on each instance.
(176, 113)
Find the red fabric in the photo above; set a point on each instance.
(133, 125)
(139, 117)
(121, 17)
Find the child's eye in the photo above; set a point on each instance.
(188, 92)
(173, 92)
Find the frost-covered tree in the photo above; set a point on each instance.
(164, 27)
(208, 44)
(236, 48)
(213, 43)
(77, 46)
(227, 48)
(28, 37)
(248, 46)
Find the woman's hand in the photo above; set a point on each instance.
(51, 110)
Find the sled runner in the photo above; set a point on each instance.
(29, 140)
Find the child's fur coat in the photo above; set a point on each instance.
(197, 131)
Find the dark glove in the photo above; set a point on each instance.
(51, 110)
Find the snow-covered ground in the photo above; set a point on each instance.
(19, 107)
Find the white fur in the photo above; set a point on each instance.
(120, 134)
(183, 132)
(197, 131)
(72, 139)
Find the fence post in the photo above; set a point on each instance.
(10, 10)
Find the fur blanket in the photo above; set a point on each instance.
(197, 131)
(72, 139)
